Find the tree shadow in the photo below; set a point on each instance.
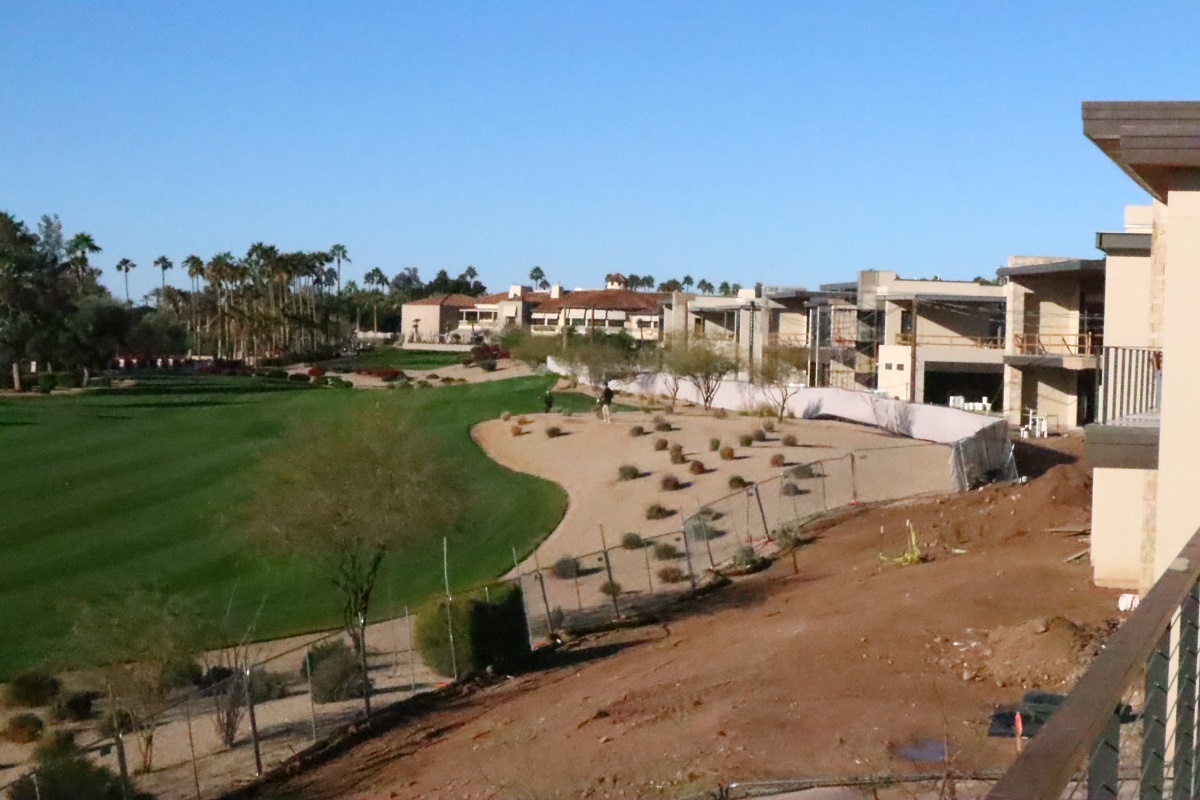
(571, 657)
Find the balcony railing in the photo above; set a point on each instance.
(787, 339)
(1130, 384)
(952, 340)
(1128, 728)
(1058, 344)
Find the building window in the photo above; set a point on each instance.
(900, 367)
(887, 366)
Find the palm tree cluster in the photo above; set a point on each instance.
(683, 284)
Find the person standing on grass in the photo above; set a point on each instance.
(549, 400)
(606, 398)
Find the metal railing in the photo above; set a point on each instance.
(1058, 344)
(953, 340)
(1130, 382)
(1128, 728)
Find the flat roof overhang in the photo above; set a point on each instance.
(908, 297)
(1122, 446)
(1067, 362)
(1149, 140)
(1116, 243)
(1056, 267)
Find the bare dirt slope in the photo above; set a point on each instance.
(822, 672)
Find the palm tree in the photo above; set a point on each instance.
(470, 273)
(78, 249)
(338, 254)
(375, 278)
(724, 289)
(704, 286)
(687, 282)
(537, 276)
(164, 264)
(124, 265)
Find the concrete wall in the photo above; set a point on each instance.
(1127, 290)
(1057, 396)
(897, 381)
(1122, 525)
(431, 320)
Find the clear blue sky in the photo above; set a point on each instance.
(791, 142)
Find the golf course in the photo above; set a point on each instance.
(141, 486)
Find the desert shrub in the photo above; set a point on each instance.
(633, 541)
(298, 377)
(665, 551)
(637, 430)
(669, 483)
(628, 472)
(446, 381)
(266, 685)
(466, 359)
(610, 589)
(65, 773)
(802, 471)
(32, 689)
(516, 430)
(338, 676)
(726, 453)
(737, 482)
(720, 413)
(745, 557)
(23, 728)
(658, 419)
(433, 376)
(422, 384)
(487, 365)
(677, 456)
(697, 468)
(661, 444)
(789, 440)
(701, 530)
(69, 380)
(316, 372)
(768, 425)
(506, 415)
(759, 435)
(103, 381)
(554, 431)
(566, 567)
(778, 460)
(182, 674)
(714, 445)
(73, 707)
(671, 574)
(791, 490)
(312, 659)
(277, 374)
(568, 413)
(663, 426)
(656, 511)
(745, 440)
(486, 634)
(47, 382)
(523, 420)
(216, 679)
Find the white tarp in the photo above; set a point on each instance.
(981, 447)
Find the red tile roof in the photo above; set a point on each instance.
(605, 300)
(456, 300)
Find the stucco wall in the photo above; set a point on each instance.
(1122, 525)
(896, 382)
(1127, 290)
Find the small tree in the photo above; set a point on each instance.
(128, 641)
(778, 375)
(704, 368)
(387, 483)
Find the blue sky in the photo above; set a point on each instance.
(791, 142)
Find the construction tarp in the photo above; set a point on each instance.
(980, 446)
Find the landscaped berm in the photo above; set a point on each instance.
(139, 485)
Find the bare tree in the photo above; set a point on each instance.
(778, 374)
(704, 368)
(387, 485)
(127, 641)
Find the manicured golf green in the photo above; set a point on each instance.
(138, 486)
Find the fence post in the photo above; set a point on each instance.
(1154, 719)
(187, 708)
(612, 585)
(362, 656)
(1103, 779)
(119, 741)
(524, 602)
(1185, 702)
(312, 703)
(412, 664)
(853, 478)
(688, 552)
(449, 603)
(537, 562)
(649, 580)
(761, 513)
(258, 770)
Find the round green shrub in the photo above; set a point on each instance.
(737, 482)
(566, 567)
(789, 440)
(663, 427)
(487, 365)
(745, 557)
(661, 444)
(665, 551)
(23, 728)
(669, 483)
(73, 707)
(628, 472)
(47, 382)
(768, 425)
(714, 445)
(726, 453)
(338, 677)
(745, 440)
(759, 435)
(656, 511)
(611, 589)
(489, 631)
(633, 541)
(32, 689)
(554, 431)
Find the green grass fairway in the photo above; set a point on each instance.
(136, 486)
(388, 356)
